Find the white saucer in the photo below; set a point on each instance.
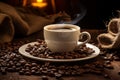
(26, 54)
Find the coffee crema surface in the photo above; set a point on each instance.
(63, 29)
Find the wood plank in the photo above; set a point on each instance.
(16, 76)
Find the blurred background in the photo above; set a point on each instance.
(90, 14)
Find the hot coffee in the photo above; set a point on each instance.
(62, 29)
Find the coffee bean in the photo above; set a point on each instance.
(45, 78)
(22, 62)
(33, 71)
(105, 58)
(67, 73)
(50, 73)
(10, 69)
(102, 53)
(12, 61)
(12, 55)
(3, 70)
(116, 58)
(18, 56)
(18, 68)
(27, 73)
(18, 64)
(62, 67)
(44, 72)
(107, 62)
(39, 41)
(60, 72)
(58, 75)
(14, 67)
(33, 64)
(3, 64)
(21, 72)
(109, 66)
(106, 76)
(27, 65)
(47, 64)
(38, 73)
(97, 72)
(33, 68)
(73, 73)
(76, 67)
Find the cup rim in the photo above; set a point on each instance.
(47, 27)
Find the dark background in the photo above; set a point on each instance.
(99, 12)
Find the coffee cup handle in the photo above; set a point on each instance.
(87, 34)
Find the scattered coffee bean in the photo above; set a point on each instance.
(37, 73)
(106, 58)
(22, 62)
(45, 78)
(33, 68)
(18, 68)
(109, 66)
(116, 58)
(58, 75)
(33, 71)
(106, 76)
(18, 64)
(28, 73)
(21, 72)
(3, 70)
(107, 62)
(33, 64)
(27, 65)
(12, 61)
(10, 69)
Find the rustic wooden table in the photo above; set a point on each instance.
(111, 73)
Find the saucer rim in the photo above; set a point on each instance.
(26, 54)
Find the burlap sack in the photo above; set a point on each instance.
(112, 38)
(13, 22)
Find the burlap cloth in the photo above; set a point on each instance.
(111, 39)
(14, 22)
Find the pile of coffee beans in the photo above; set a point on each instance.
(41, 50)
(109, 56)
(12, 61)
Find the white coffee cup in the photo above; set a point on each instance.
(64, 37)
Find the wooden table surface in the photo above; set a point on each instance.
(114, 74)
